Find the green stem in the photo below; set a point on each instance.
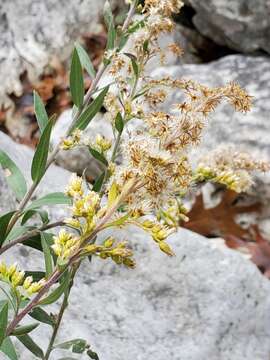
(61, 312)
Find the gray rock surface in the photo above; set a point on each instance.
(242, 25)
(55, 179)
(7, 199)
(31, 32)
(208, 302)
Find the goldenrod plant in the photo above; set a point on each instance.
(146, 187)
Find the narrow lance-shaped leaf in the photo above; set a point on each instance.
(90, 111)
(97, 155)
(76, 345)
(55, 295)
(16, 231)
(24, 329)
(35, 243)
(39, 314)
(134, 64)
(3, 322)
(36, 275)
(44, 216)
(4, 221)
(47, 254)
(8, 349)
(15, 178)
(108, 17)
(57, 198)
(99, 182)
(85, 60)
(40, 112)
(31, 345)
(76, 80)
(41, 155)
(119, 123)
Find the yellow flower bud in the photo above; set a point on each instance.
(109, 242)
(17, 278)
(166, 248)
(27, 282)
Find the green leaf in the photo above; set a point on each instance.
(92, 109)
(3, 322)
(85, 60)
(134, 27)
(36, 275)
(57, 198)
(97, 155)
(76, 80)
(4, 221)
(35, 242)
(16, 232)
(119, 123)
(123, 41)
(15, 178)
(8, 348)
(99, 182)
(41, 155)
(47, 254)
(109, 21)
(93, 355)
(29, 214)
(55, 295)
(133, 63)
(31, 345)
(24, 329)
(76, 345)
(107, 13)
(41, 315)
(40, 112)
(111, 37)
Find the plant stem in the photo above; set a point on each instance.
(52, 280)
(74, 259)
(61, 312)
(29, 234)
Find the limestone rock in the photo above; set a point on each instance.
(207, 302)
(31, 32)
(55, 180)
(242, 25)
(7, 198)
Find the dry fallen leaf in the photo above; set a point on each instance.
(259, 249)
(219, 221)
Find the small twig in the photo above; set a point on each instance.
(29, 234)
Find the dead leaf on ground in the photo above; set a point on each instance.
(219, 220)
(259, 249)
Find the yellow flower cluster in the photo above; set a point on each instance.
(72, 141)
(65, 244)
(84, 215)
(16, 279)
(159, 233)
(118, 252)
(102, 144)
(229, 167)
